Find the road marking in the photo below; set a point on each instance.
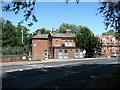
(14, 70)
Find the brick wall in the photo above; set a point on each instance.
(38, 50)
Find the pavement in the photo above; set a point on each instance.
(44, 61)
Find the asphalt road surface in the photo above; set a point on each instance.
(21, 67)
(44, 75)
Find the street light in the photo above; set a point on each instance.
(22, 35)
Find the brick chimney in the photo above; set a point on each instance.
(38, 31)
(53, 30)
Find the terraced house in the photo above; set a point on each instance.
(110, 45)
(54, 46)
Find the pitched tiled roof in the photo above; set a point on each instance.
(62, 35)
(41, 36)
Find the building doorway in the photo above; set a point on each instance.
(45, 54)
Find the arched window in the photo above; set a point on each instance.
(81, 54)
(60, 53)
(65, 53)
(76, 53)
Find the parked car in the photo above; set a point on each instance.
(115, 54)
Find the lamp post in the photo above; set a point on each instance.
(22, 36)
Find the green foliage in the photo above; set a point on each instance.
(44, 31)
(109, 32)
(63, 27)
(12, 35)
(27, 7)
(85, 39)
(111, 13)
(113, 33)
(8, 34)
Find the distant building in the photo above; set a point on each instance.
(54, 46)
(110, 44)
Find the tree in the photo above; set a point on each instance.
(109, 32)
(63, 27)
(8, 34)
(26, 37)
(113, 33)
(26, 6)
(12, 35)
(111, 13)
(85, 39)
(110, 9)
(44, 31)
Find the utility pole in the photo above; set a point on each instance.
(22, 36)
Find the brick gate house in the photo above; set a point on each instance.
(54, 46)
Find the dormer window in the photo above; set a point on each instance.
(103, 39)
(113, 39)
(70, 43)
(66, 43)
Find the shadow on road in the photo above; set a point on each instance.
(77, 76)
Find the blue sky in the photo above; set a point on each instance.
(53, 14)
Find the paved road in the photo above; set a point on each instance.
(38, 75)
(21, 67)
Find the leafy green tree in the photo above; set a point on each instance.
(44, 31)
(1, 23)
(111, 12)
(85, 39)
(27, 7)
(26, 37)
(63, 27)
(109, 32)
(12, 35)
(8, 34)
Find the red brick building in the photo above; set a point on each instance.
(110, 45)
(54, 46)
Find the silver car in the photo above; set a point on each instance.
(115, 54)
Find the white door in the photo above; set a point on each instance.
(45, 54)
